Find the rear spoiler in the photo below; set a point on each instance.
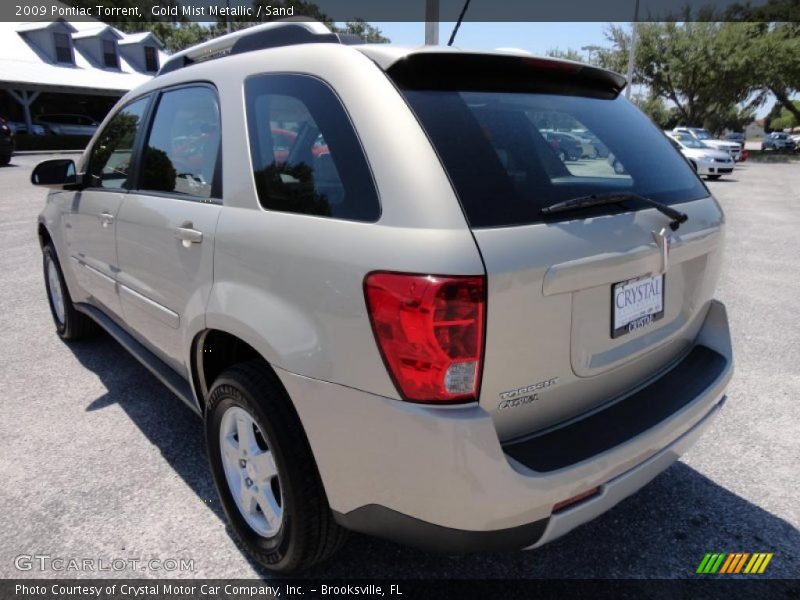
(465, 71)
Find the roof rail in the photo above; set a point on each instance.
(286, 32)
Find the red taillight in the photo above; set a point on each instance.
(429, 329)
(548, 64)
(564, 504)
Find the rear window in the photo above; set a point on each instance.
(510, 154)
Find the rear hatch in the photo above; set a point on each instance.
(583, 305)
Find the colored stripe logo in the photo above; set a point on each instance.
(731, 563)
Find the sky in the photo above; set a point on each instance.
(534, 37)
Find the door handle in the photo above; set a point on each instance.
(106, 218)
(188, 236)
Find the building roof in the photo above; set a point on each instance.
(97, 31)
(39, 25)
(24, 65)
(138, 38)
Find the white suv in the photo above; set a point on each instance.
(395, 308)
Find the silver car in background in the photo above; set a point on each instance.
(58, 124)
(707, 161)
(395, 309)
(778, 140)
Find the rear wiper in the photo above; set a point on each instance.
(615, 198)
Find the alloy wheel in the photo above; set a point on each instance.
(251, 471)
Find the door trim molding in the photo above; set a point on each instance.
(151, 307)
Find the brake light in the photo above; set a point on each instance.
(564, 504)
(547, 64)
(429, 329)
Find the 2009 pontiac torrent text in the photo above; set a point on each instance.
(398, 304)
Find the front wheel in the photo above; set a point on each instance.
(265, 473)
(70, 324)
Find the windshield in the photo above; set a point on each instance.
(508, 157)
(690, 142)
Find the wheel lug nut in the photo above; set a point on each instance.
(248, 482)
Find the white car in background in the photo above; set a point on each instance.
(734, 149)
(707, 161)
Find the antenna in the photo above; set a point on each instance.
(458, 23)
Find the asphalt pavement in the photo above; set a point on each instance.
(99, 461)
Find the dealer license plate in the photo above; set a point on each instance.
(636, 303)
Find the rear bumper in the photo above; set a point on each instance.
(438, 478)
(622, 486)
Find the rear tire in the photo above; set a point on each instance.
(296, 528)
(71, 325)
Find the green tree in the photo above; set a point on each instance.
(367, 32)
(655, 108)
(735, 118)
(775, 50)
(781, 118)
(568, 54)
(614, 56)
(701, 69)
(713, 73)
(174, 36)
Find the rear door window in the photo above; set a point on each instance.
(306, 156)
(511, 154)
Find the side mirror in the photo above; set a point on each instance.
(55, 173)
